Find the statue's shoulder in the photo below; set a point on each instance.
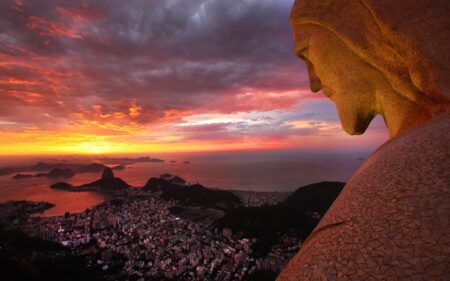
(420, 147)
(409, 168)
(390, 219)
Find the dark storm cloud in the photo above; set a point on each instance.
(67, 57)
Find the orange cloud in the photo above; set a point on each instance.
(45, 27)
(249, 99)
(70, 23)
(134, 110)
(82, 13)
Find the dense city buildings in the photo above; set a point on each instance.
(139, 236)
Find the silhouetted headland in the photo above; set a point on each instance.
(53, 173)
(80, 167)
(43, 166)
(22, 176)
(175, 188)
(108, 182)
(58, 173)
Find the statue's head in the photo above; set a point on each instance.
(377, 57)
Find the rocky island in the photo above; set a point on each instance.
(107, 183)
(62, 185)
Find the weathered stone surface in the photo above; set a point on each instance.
(391, 221)
(377, 57)
(375, 227)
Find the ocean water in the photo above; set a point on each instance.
(242, 171)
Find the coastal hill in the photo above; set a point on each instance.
(315, 198)
(300, 212)
(175, 188)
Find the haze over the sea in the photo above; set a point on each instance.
(256, 171)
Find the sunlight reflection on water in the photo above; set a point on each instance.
(248, 173)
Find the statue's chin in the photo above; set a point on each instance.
(355, 122)
(358, 127)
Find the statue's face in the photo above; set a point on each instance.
(341, 75)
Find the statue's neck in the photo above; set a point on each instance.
(399, 113)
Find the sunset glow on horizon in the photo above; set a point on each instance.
(111, 77)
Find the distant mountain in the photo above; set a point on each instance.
(79, 167)
(43, 166)
(22, 176)
(128, 161)
(54, 173)
(8, 170)
(88, 168)
(57, 173)
(119, 167)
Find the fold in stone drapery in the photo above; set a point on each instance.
(402, 39)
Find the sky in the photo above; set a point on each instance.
(159, 76)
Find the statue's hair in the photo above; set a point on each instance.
(406, 40)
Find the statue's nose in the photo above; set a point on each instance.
(314, 82)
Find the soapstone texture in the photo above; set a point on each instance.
(392, 219)
(377, 57)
